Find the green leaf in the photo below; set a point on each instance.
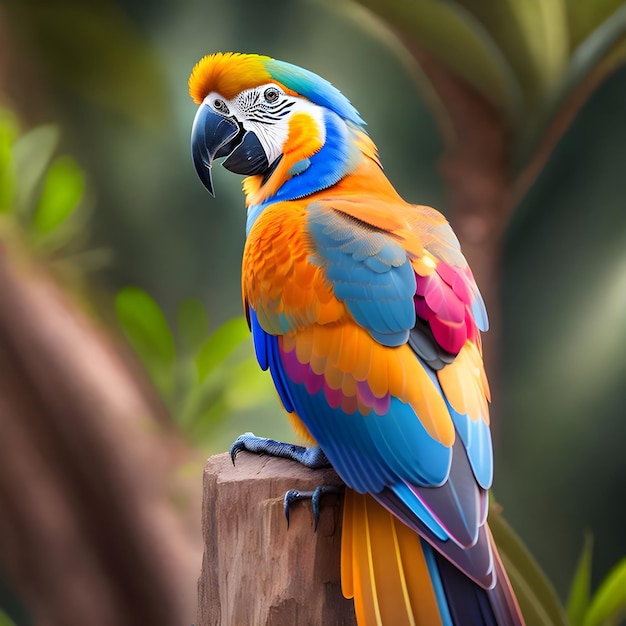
(149, 334)
(608, 604)
(456, 37)
(8, 132)
(205, 422)
(584, 16)
(220, 344)
(589, 57)
(62, 191)
(531, 34)
(579, 594)
(238, 386)
(591, 51)
(32, 154)
(536, 596)
(192, 322)
(5, 620)
(249, 386)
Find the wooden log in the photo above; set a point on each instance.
(255, 569)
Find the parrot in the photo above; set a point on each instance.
(368, 318)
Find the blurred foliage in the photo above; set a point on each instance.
(203, 377)
(42, 197)
(537, 598)
(525, 57)
(113, 76)
(80, 55)
(607, 606)
(578, 599)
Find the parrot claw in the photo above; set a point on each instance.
(294, 495)
(312, 457)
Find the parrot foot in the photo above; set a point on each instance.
(312, 457)
(294, 495)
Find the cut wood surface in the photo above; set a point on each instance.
(256, 570)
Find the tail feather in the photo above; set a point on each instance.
(397, 579)
(364, 584)
(467, 602)
(387, 591)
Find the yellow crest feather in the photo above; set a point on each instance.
(227, 73)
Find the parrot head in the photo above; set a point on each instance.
(257, 112)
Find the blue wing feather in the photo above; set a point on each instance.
(266, 350)
(477, 441)
(259, 339)
(370, 273)
(475, 436)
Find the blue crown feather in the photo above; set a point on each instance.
(314, 88)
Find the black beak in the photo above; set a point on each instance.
(214, 136)
(210, 134)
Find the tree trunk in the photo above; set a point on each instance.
(256, 570)
(89, 533)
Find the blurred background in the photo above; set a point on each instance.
(508, 117)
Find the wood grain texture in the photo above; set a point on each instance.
(255, 569)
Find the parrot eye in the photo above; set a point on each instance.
(220, 106)
(271, 94)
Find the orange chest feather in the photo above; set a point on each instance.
(280, 279)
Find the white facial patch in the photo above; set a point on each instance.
(266, 111)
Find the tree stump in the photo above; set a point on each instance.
(255, 569)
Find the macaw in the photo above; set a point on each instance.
(368, 318)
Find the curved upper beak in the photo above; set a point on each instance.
(212, 135)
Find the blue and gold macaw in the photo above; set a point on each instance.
(366, 313)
